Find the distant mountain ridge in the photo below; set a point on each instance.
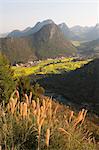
(29, 30)
(67, 32)
(50, 42)
(86, 33)
(47, 42)
(76, 33)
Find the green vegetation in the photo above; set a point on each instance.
(55, 66)
(25, 86)
(7, 83)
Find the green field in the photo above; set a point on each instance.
(76, 43)
(49, 66)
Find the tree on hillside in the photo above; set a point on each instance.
(7, 84)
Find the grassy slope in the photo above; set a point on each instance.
(25, 130)
(57, 141)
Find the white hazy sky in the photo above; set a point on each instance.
(19, 14)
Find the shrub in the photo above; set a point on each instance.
(7, 83)
(25, 86)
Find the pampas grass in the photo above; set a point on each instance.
(53, 125)
(47, 137)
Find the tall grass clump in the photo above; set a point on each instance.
(42, 124)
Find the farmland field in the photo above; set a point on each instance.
(53, 66)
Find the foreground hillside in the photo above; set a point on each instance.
(31, 121)
(43, 124)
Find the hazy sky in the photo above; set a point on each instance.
(19, 14)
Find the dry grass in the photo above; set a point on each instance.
(47, 137)
(48, 119)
